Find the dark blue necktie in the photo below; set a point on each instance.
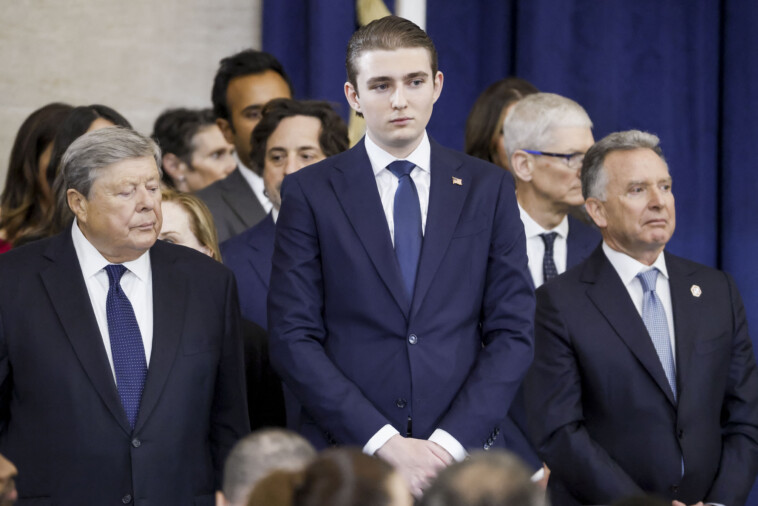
(407, 217)
(126, 344)
(549, 271)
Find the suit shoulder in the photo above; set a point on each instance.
(198, 264)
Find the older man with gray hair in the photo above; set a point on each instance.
(644, 379)
(121, 379)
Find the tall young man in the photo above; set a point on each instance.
(400, 307)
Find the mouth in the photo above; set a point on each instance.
(401, 121)
(145, 226)
(658, 222)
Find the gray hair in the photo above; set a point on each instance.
(96, 150)
(494, 477)
(594, 177)
(259, 453)
(530, 124)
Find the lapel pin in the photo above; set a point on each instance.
(696, 291)
(458, 181)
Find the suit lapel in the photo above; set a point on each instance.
(579, 243)
(169, 310)
(241, 198)
(611, 298)
(65, 284)
(445, 204)
(684, 306)
(262, 246)
(355, 187)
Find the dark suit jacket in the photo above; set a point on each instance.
(602, 412)
(581, 240)
(248, 255)
(61, 419)
(234, 206)
(356, 353)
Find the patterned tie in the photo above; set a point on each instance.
(549, 271)
(126, 344)
(657, 325)
(407, 216)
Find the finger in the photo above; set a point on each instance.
(441, 453)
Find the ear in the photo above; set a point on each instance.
(438, 80)
(522, 165)
(78, 204)
(351, 94)
(175, 167)
(226, 129)
(596, 209)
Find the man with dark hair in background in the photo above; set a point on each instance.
(243, 84)
(412, 353)
(195, 152)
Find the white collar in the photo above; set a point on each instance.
(628, 268)
(533, 229)
(379, 158)
(92, 261)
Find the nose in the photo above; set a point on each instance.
(656, 198)
(147, 199)
(293, 165)
(398, 99)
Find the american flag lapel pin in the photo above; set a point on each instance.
(457, 181)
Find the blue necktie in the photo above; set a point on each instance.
(549, 271)
(126, 344)
(657, 325)
(407, 217)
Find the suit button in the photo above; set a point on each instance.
(486, 446)
(675, 488)
(400, 403)
(136, 443)
(412, 339)
(680, 434)
(126, 499)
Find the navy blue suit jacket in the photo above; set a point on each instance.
(248, 255)
(581, 240)
(602, 414)
(61, 419)
(356, 353)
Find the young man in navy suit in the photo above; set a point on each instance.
(644, 379)
(400, 308)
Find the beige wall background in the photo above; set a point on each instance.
(138, 56)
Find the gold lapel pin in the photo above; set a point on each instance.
(458, 181)
(696, 291)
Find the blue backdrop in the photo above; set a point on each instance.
(686, 70)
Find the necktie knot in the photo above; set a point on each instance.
(549, 239)
(401, 168)
(648, 279)
(115, 271)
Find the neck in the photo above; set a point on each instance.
(646, 257)
(544, 213)
(399, 152)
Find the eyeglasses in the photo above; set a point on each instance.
(572, 160)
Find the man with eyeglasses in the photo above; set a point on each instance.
(546, 136)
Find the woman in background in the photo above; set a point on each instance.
(484, 126)
(27, 198)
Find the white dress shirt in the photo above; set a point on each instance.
(387, 183)
(535, 246)
(256, 184)
(628, 268)
(137, 284)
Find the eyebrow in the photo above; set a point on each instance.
(406, 77)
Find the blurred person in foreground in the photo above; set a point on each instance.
(195, 152)
(644, 378)
(27, 198)
(292, 134)
(121, 375)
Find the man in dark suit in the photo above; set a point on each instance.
(644, 378)
(291, 135)
(400, 306)
(121, 376)
(546, 136)
(243, 84)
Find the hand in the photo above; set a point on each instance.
(679, 503)
(545, 476)
(417, 460)
(8, 492)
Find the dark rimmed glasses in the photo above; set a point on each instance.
(572, 160)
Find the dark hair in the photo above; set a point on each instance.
(344, 477)
(247, 62)
(76, 124)
(387, 33)
(484, 119)
(333, 138)
(173, 131)
(27, 197)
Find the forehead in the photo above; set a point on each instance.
(174, 215)
(640, 164)
(131, 169)
(295, 131)
(373, 63)
(208, 135)
(577, 138)
(256, 89)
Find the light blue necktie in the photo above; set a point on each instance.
(126, 345)
(657, 325)
(407, 217)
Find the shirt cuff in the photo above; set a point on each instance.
(449, 443)
(377, 440)
(539, 475)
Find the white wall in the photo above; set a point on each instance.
(137, 56)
